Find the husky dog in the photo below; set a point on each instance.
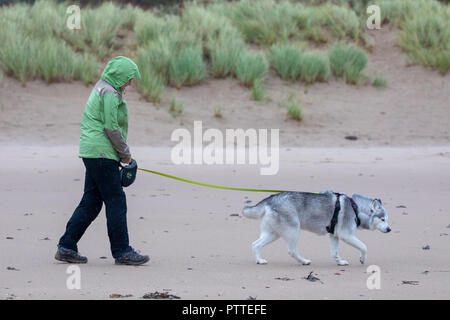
(284, 214)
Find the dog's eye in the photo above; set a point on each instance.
(382, 219)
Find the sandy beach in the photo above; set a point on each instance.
(198, 242)
(200, 249)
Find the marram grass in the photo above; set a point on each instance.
(151, 84)
(294, 108)
(187, 67)
(379, 82)
(424, 30)
(223, 54)
(426, 39)
(258, 89)
(286, 60)
(250, 66)
(176, 107)
(347, 61)
(314, 67)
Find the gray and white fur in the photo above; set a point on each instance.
(285, 214)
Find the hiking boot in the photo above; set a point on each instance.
(132, 258)
(68, 255)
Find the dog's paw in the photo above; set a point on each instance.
(261, 261)
(342, 263)
(306, 262)
(362, 259)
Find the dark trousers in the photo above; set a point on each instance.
(102, 184)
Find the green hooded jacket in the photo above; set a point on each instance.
(104, 126)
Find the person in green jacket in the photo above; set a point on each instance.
(103, 145)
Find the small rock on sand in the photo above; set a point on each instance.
(159, 295)
(411, 282)
(284, 278)
(12, 269)
(118, 295)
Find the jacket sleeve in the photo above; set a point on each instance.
(112, 129)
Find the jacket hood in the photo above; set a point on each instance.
(119, 71)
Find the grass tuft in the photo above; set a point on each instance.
(286, 60)
(218, 112)
(258, 90)
(149, 27)
(176, 108)
(151, 85)
(55, 61)
(347, 61)
(314, 67)
(223, 55)
(264, 22)
(187, 67)
(250, 66)
(379, 82)
(294, 108)
(100, 33)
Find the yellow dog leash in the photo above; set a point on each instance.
(210, 185)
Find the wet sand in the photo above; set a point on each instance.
(200, 249)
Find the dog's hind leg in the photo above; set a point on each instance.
(265, 238)
(334, 246)
(358, 244)
(291, 236)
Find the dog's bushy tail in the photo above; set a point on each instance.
(255, 212)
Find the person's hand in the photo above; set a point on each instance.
(127, 162)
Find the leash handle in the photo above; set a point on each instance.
(130, 163)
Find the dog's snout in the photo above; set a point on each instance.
(388, 229)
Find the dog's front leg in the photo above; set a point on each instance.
(334, 246)
(358, 244)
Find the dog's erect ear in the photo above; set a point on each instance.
(372, 206)
(376, 204)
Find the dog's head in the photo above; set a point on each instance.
(372, 213)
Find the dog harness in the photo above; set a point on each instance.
(337, 208)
